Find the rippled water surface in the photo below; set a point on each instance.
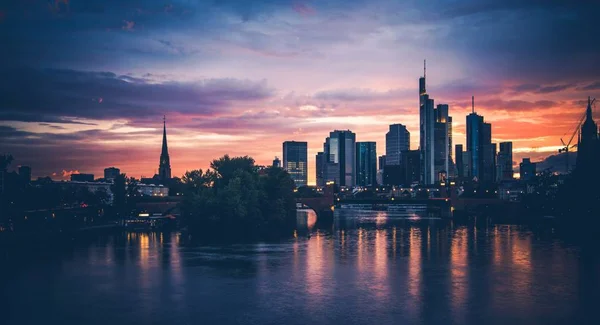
(368, 268)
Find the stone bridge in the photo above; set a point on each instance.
(320, 204)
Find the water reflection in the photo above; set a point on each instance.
(371, 268)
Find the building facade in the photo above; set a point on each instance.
(320, 168)
(111, 173)
(339, 149)
(82, 177)
(366, 163)
(480, 147)
(276, 162)
(527, 170)
(397, 139)
(410, 167)
(505, 162)
(295, 161)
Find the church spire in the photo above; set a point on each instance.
(164, 168)
(165, 150)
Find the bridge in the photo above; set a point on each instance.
(322, 205)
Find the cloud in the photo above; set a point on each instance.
(128, 25)
(68, 173)
(51, 95)
(303, 9)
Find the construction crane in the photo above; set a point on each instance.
(568, 146)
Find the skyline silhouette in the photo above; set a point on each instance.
(91, 81)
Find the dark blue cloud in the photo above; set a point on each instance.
(50, 95)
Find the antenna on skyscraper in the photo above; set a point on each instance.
(473, 104)
(425, 69)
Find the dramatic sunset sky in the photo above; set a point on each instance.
(84, 83)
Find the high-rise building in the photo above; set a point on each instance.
(111, 173)
(527, 169)
(320, 168)
(479, 145)
(381, 162)
(458, 154)
(25, 174)
(82, 177)
(427, 149)
(339, 150)
(164, 168)
(366, 163)
(295, 161)
(397, 139)
(276, 162)
(410, 167)
(505, 162)
(427, 120)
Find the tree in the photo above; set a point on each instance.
(119, 192)
(233, 200)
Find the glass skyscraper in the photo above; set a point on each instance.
(505, 162)
(339, 149)
(396, 140)
(366, 163)
(480, 147)
(295, 161)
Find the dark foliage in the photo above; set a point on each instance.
(232, 200)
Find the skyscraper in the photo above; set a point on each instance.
(480, 147)
(340, 157)
(397, 139)
(460, 172)
(410, 167)
(426, 132)
(441, 142)
(276, 162)
(505, 165)
(320, 168)
(111, 173)
(295, 161)
(381, 162)
(527, 169)
(164, 168)
(366, 163)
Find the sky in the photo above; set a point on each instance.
(85, 83)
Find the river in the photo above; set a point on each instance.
(367, 268)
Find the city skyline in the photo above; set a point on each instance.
(72, 109)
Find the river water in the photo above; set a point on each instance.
(368, 268)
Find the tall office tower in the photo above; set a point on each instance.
(25, 174)
(458, 154)
(527, 169)
(505, 162)
(441, 141)
(426, 132)
(397, 139)
(111, 173)
(381, 162)
(340, 157)
(410, 167)
(320, 168)
(366, 163)
(164, 168)
(276, 162)
(295, 161)
(451, 163)
(479, 145)
(466, 165)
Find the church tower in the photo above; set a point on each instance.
(164, 168)
(588, 146)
